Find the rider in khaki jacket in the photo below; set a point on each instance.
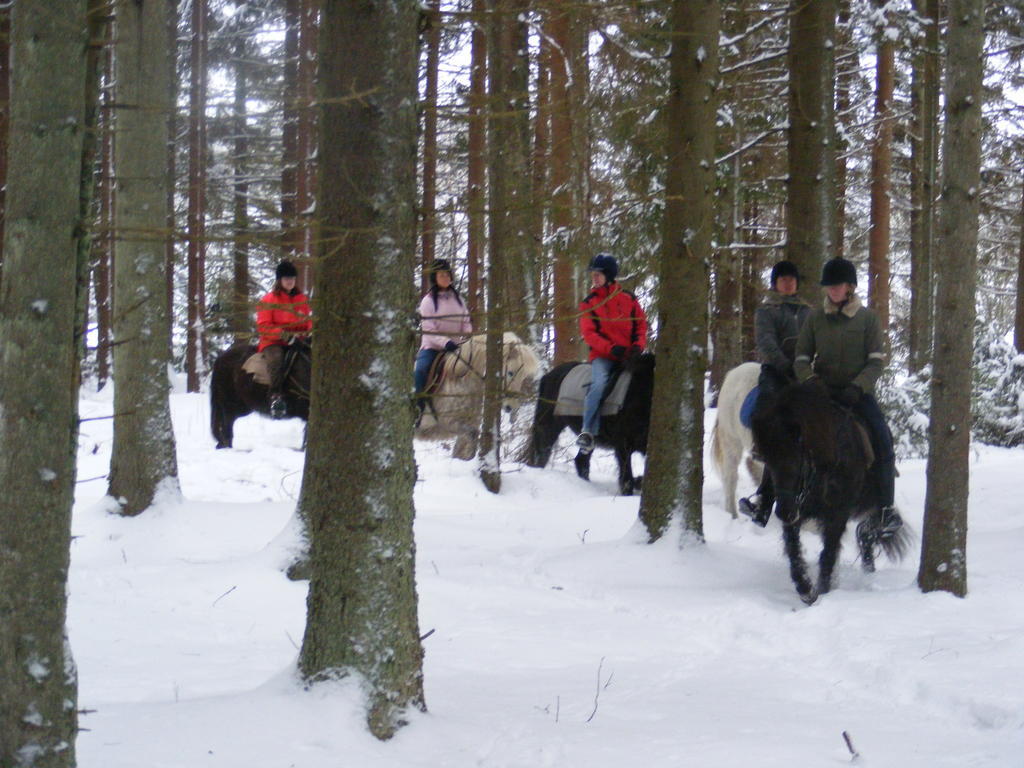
(842, 344)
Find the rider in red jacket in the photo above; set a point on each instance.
(614, 325)
(283, 313)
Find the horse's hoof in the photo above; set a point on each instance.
(809, 598)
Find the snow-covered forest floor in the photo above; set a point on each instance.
(559, 637)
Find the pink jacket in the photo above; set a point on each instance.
(448, 322)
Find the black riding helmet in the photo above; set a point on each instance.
(838, 271)
(286, 269)
(605, 263)
(438, 265)
(784, 269)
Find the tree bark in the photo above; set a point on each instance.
(564, 208)
(810, 211)
(306, 142)
(5, 111)
(290, 127)
(1018, 319)
(845, 77)
(477, 160)
(944, 539)
(881, 176)
(674, 475)
(38, 381)
(196, 199)
(241, 316)
(361, 609)
(923, 163)
(103, 240)
(143, 460)
(428, 210)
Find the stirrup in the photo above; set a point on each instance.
(585, 442)
(754, 511)
(278, 407)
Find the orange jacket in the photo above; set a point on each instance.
(612, 317)
(281, 314)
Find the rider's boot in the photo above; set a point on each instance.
(758, 506)
(278, 407)
(585, 442)
(889, 521)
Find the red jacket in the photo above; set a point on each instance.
(281, 314)
(612, 317)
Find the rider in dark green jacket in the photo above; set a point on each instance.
(842, 343)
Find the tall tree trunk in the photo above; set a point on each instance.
(429, 208)
(172, 170)
(290, 127)
(726, 330)
(477, 160)
(810, 211)
(881, 173)
(520, 257)
(5, 111)
(541, 190)
(923, 163)
(674, 475)
(361, 609)
(241, 323)
(103, 241)
(143, 461)
(1018, 320)
(38, 381)
(944, 539)
(503, 134)
(564, 208)
(196, 199)
(846, 74)
(306, 140)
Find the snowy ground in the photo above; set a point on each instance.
(560, 639)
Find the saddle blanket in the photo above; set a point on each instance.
(747, 409)
(574, 390)
(257, 366)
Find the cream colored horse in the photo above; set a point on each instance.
(454, 409)
(730, 440)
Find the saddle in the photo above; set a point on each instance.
(436, 374)
(256, 365)
(573, 391)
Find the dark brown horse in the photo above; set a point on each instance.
(234, 393)
(625, 431)
(820, 461)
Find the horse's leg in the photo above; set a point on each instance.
(730, 463)
(866, 545)
(465, 445)
(582, 462)
(797, 565)
(624, 456)
(543, 435)
(832, 543)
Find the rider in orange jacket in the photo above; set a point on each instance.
(614, 325)
(283, 313)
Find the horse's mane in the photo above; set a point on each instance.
(810, 408)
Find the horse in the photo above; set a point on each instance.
(625, 432)
(730, 439)
(819, 456)
(453, 408)
(234, 393)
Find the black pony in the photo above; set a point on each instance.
(234, 393)
(820, 457)
(625, 431)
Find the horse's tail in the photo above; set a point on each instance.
(717, 452)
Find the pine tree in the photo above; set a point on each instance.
(38, 381)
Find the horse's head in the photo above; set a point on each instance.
(520, 370)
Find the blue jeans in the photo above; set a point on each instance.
(600, 371)
(424, 359)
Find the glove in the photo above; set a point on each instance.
(849, 395)
(618, 352)
(635, 351)
(451, 346)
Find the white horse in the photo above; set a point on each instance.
(730, 440)
(454, 409)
